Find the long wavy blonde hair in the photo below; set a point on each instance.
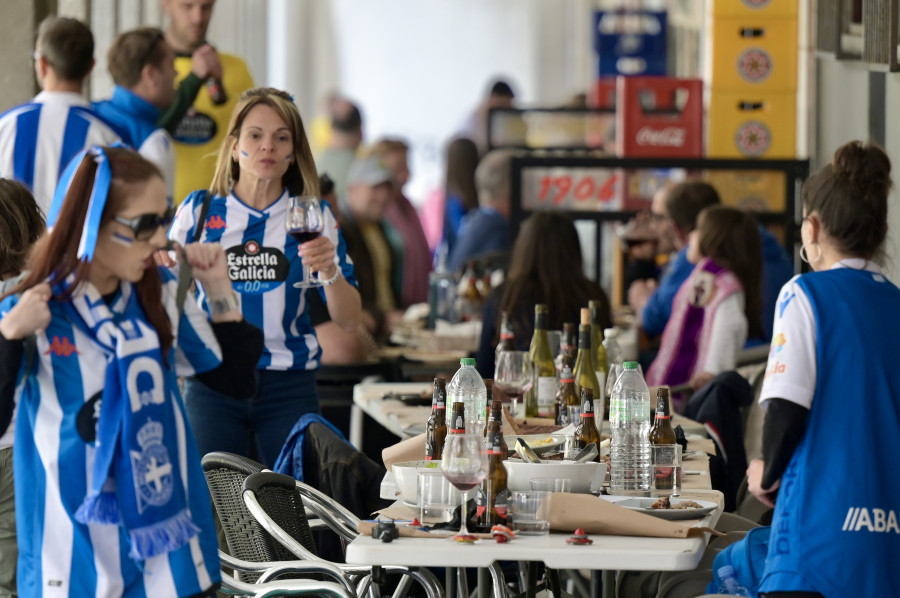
(301, 177)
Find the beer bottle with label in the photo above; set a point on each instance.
(585, 376)
(458, 418)
(586, 431)
(507, 335)
(492, 509)
(662, 432)
(566, 396)
(436, 425)
(495, 421)
(489, 401)
(216, 91)
(568, 346)
(539, 400)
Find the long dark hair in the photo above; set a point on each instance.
(55, 255)
(730, 237)
(850, 195)
(21, 225)
(547, 268)
(462, 160)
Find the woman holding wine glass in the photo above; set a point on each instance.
(265, 187)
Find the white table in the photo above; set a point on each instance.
(608, 553)
(367, 398)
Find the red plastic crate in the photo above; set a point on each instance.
(659, 117)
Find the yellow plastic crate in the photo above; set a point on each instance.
(755, 190)
(755, 8)
(758, 54)
(742, 125)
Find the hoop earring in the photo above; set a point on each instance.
(804, 255)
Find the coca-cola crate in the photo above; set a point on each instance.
(659, 117)
(600, 126)
(743, 125)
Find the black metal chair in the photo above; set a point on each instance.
(278, 503)
(252, 558)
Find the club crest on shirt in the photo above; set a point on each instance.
(87, 418)
(153, 479)
(702, 284)
(254, 268)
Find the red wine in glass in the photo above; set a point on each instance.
(303, 236)
(464, 482)
(304, 222)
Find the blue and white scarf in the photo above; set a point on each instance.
(137, 482)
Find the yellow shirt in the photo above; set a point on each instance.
(381, 263)
(201, 132)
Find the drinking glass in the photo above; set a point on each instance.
(305, 222)
(464, 463)
(514, 375)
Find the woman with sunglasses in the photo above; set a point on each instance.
(264, 161)
(110, 496)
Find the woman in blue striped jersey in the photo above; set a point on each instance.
(110, 496)
(264, 161)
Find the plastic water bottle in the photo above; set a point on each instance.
(441, 292)
(629, 420)
(728, 583)
(468, 388)
(614, 357)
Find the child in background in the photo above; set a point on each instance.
(719, 303)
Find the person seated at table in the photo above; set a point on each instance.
(830, 395)
(369, 191)
(654, 303)
(546, 267)
(486, 228)
(719, 304)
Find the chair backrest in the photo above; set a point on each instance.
(246, 540)
(278, 496)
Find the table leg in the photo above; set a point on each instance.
(484, 583)
(462, 583)
(530, 579)
(450, 582)
(356, 426)
(553, 582)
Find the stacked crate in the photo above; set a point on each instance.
(752, 78)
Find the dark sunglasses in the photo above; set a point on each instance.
(146, 225)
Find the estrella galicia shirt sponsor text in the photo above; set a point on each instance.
(256, 269)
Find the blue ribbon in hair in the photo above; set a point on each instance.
(99, 194)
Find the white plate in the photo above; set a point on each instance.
(642, 505)
(539, 443)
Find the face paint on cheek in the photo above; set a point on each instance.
(288, 157)
(122, 239)
(245, 154)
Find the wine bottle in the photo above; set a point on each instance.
(598, 351)
(585, 376)
(539, 400)
(507, 335)
(586, 431)
(568, 346)
(436, 425)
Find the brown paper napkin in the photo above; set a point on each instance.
(594, 515)
(411, 449)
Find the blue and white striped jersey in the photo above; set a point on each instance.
(38, 139)
(54, 459)
(263, 264)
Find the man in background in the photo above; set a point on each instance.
(486, 228)
(142, 66)
(199, 121)
(346, 137)
(684, 203)
(500, 95)
(39, 138)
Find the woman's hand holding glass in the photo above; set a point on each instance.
(514, 376)
(464, 463)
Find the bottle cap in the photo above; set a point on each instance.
(630, 365)
(608, 332)
(585, 316)
(467, 361)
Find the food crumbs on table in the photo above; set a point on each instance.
(579, 538)
(502, 534)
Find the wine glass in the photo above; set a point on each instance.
(305, 222)
(464, 464)
(514, 376)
